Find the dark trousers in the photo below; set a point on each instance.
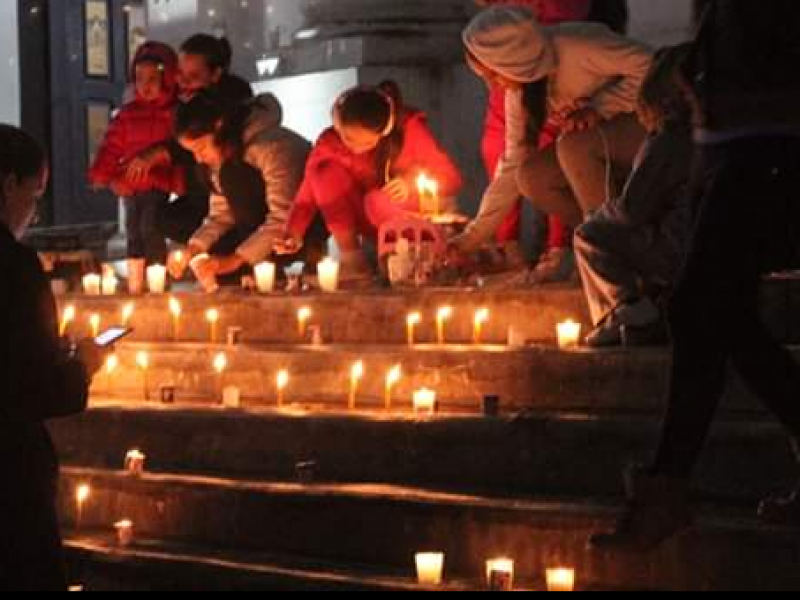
(747, 224)
(145, 238)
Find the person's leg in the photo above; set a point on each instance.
(155, 245)
(594, 161)
(133, 228)
(340, 199)
(543, 182)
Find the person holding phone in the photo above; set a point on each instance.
(39, 380)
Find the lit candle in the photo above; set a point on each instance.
(176, 311)
(412, 322)
(112, 364)
(220, 365)
(425, 402)
(82, 494)
(392, 379)
(500, 575)
(445, 314)
(157, 279)
(569, 335)
(328, 273)
(134, 463)
(430, 568)
(92, 284)
(177, 264)
(428, 190)
(265, 277)
(481, 318)
(303, 315)
(560, 580)
(94, 324)
(282, 383)
(66, 320)
(124, 533)
(143, 362)
(356, 375)
(110, 284)
(127, 313)
(206, 278)
(232, 397)
(212, 316)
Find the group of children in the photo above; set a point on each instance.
(561, 130)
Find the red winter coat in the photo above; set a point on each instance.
(139, 125)
(420, 153)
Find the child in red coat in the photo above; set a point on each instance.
(144, 122)
(363, 171)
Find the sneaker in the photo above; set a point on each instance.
(781, 511)
(658, 510)
(556, 266)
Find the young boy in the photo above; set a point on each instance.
(144, 122)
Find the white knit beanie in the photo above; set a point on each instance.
(509, 40)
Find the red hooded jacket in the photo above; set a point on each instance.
(420, 153)
(139, 125)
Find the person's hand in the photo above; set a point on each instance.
(193, 249)
(138, 169)
(91, 355)
(224, 265)
(398, 190)
(290, 245)
(583, 119)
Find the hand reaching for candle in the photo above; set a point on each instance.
(290, 245)
(398, 190)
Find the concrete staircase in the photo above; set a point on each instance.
(314, 496)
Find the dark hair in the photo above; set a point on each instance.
(216, 52)
(662, 92)
(20, 155)
(534, 101)
(375, 108)
(211, 113)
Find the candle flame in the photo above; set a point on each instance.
(304, 314)
(127, 312)
(82, 493)
(112, 363)
(143, 360)
(283, 379)
(414, 319)
(212, 315)
(482, 316)
(220, 363)
(394, 376)
(445, 313)
(175, 307)
(94, 321)
(426, 185)
(69, 314)
(357, 371)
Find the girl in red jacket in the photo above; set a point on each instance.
(144, 122)
(363, 171)
(547, 12)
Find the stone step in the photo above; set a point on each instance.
(384, 526)
(558, 454)
(379, 317)
(536, 377)
(97, 564)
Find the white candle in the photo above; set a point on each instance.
(220, 364)
(428, 190)
(232, 397)
(134, 463)
(425, 402)
(282, 384)
(66, 320)
(412, 322)
(481, 318)
(94, 324)
(110, 284)
(124, 533)
(127, 313)
(157, 279)
(430, 568)
(92, 284)
(442, 317)
(392, 379)
(500, 575)
(265, 277)
(560, 580)
(569, 335)
(356, 375)
(212, 316)
(303, 316)
(82, 494)
(328, 273)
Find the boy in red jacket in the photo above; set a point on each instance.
(145, 121)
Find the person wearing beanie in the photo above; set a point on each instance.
(580, 78)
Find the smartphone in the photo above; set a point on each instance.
(112, 336)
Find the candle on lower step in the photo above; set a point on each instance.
(500, 575)
(176, 310)
(94, 324)
(430, 568)
(92, 284)
(212, 316)
(82, 494)
(442, 317)
(232, 397)
(67, 318)
(282, 384)
(481, 318)
(392, 379)
(135, 463)
(569, 335)
(124, 533)
(157, 279)
(143, 362)
(265, 277)
(412, 322)
(560, 580)
(356, 375)
(425, 402)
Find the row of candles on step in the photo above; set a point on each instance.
(568, 332)
(430, 565)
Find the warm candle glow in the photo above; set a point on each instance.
(67, 319)
(92, 284)
(157, 279)
(392, 379)
(265, 277)
(412, 322)
(428, 190)
(82, 494)
(110, 284)
(569, 335)
(124, 533)
(94, 323)
(560, 580)
(112, 363)
(500, 574)
(481, 318)
(356, 375)
(134, 462)
(425, 402)
(212, 316)
(328, 273)
(143, 360)
(442, 317)
(303, 316)
(127, 313)
(430, 568)
(220, 363)
(176, 310)
(282, 384)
